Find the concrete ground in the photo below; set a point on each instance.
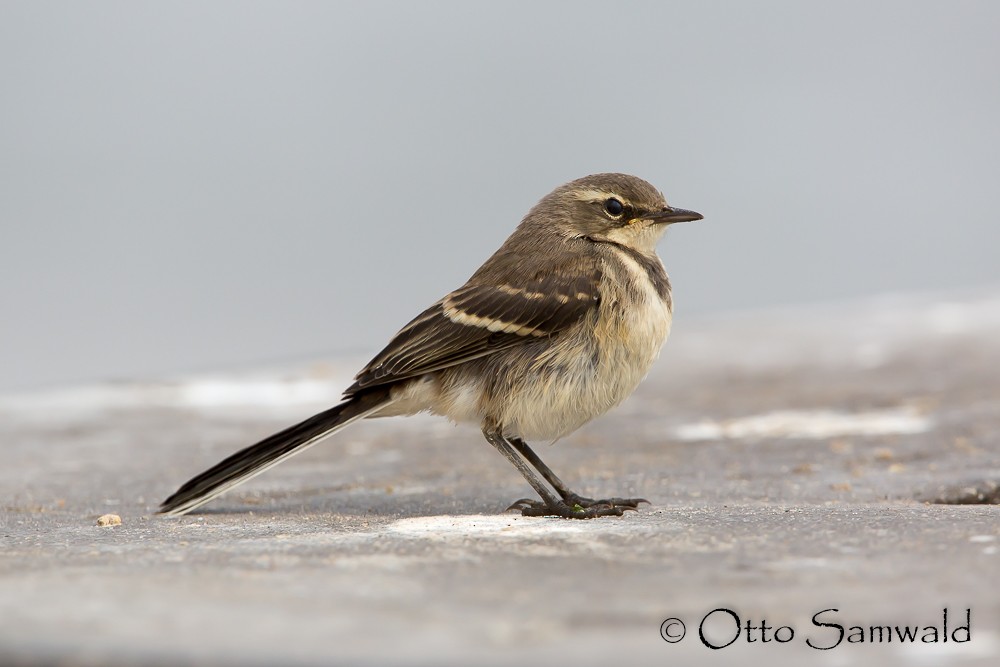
(844, 457)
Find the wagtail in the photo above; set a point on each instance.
(556, 328)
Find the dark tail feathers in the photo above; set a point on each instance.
(255, 459)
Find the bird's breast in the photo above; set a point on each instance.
(634, 319)
(601, 362)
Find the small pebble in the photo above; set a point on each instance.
(109, 520)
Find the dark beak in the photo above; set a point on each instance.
(669, 215)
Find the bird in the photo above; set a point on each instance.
(557, 327)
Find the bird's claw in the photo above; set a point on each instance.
(520, 504)
(629, 503)
(577, 507)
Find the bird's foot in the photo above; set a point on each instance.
(627, 503)
(576, 507)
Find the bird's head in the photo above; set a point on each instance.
(615, 208)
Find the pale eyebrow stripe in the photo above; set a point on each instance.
(591, 194)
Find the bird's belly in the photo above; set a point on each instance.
(606, 369)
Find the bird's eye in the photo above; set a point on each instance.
(614, 207)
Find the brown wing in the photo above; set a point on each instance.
(477, 320)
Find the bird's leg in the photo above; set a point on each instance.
(549, 505)
(568, 495)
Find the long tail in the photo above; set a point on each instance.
(255, 459)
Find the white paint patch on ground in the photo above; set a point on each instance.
(478, 537)
(269, 393)
(215, 393)
(816, 424)
(483, 525)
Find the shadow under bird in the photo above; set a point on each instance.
(556, 328)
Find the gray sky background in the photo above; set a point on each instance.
(192, 186)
